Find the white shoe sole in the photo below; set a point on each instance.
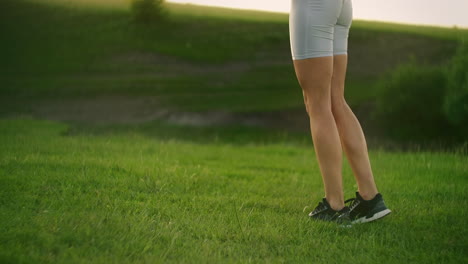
(373, 218)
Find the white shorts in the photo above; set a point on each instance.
(319, 28)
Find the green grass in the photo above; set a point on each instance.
(132, 196)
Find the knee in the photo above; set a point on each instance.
(338, 104)
(317, 103)
(316, 91)
(318, 108)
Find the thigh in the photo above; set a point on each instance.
(340, 63)
(314, 75)
(311, 26)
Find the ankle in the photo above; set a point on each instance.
(336, 205)
(367, 196)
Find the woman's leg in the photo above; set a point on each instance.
(351, 134)
(315, 75)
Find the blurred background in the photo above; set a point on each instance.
(226, 74)
(421, 12)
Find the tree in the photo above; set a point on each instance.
(148, 11)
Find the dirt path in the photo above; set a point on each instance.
(140, 109)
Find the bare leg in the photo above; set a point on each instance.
(351, 134)
(315, 77)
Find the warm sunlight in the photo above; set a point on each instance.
(427, 12)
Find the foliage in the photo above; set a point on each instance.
(419, 102)
(148, 11)
(409, 102)
(456, 99)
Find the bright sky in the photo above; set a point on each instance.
(426, 12)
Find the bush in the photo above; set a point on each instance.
(409, 103)
(148, 11)
(456, 99)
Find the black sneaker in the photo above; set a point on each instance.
(324, 212)
(362, 211)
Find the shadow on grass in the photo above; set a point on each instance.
(248, 135)
(223, 134)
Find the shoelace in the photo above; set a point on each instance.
(354, 202)
(320, 207)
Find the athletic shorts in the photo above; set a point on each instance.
(319, 28)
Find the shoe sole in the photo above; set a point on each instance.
(373, 218)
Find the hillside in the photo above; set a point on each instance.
(76, 61)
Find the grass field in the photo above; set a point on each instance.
(103, 186)
(130, 197)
